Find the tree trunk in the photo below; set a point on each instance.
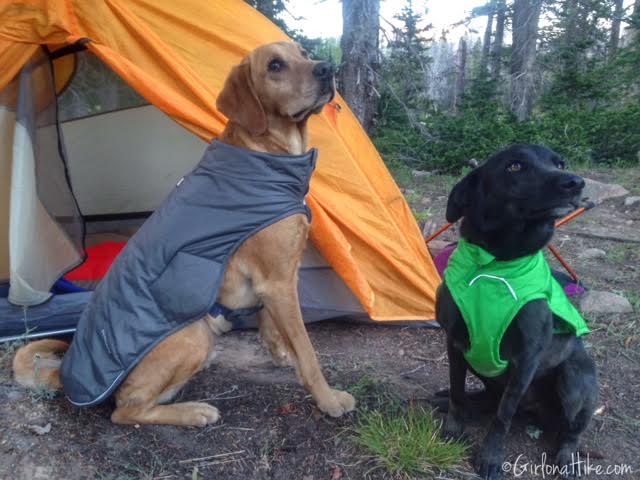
(486, 44)
(359, 43)
(615, 29)
(569, 55)
(526, 14)
(498, 39)
(460, 68)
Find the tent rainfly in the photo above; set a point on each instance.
(104, 105)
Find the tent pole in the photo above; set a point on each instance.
(32, 336)
(438, 232)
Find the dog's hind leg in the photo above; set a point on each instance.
(578, 392)
(271, 338)
(160, 375)
(185, 414)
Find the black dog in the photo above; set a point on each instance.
(509, 205)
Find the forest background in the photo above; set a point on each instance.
(563, 73)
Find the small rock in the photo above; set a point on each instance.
(629, 201)
(15, 395)
(597, 192)
(629, 222)
(592, 253)
(604, 302)
(425, 201)
(38, 430)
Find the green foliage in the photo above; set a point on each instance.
(587, 108)
(421, 215)
(406, 59)
(602, 135)
(274, 10)
(452, 140)
(327, 49)
(407, 444)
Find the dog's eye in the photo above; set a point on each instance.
(561, 165)
(276, 65)
(304, 53)
(514, 167)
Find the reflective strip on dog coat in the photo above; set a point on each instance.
(170, 272)
(489, 294)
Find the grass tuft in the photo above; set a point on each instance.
(408, 444)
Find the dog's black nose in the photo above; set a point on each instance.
(323, 71)
(571, 183)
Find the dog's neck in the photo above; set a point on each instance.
(281, 136)
(516, 239)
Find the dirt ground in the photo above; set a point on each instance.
(271, 430)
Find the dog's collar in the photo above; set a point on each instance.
(241, 162)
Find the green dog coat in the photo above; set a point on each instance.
(489, 294)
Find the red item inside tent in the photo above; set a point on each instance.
(99, 260)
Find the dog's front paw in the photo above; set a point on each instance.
(453, 428)
(199, 414)
(489, 464)
(565, 461)
(337, 404)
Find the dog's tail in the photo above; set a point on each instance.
(37, 364)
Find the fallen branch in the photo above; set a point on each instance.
(602, 237)
(425, 359)
(219, 455)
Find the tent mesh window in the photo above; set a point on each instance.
(95, 89)
(46, 230)
(52, 176)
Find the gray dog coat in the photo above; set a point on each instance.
(170, 272)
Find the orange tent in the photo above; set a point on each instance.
(176, 55)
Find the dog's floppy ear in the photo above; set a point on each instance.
(239, 103)
(462, 196)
